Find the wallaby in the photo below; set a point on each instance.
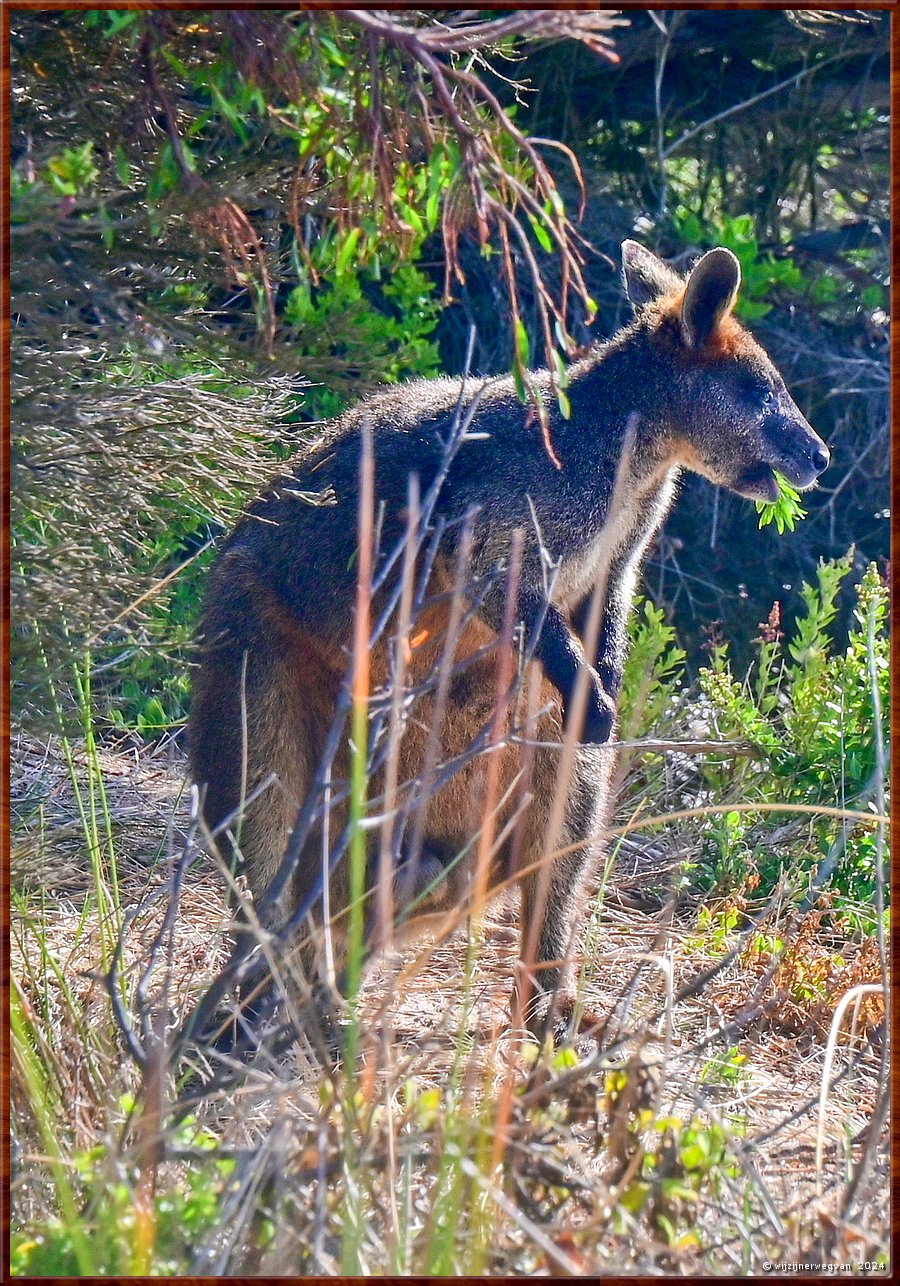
(683, 386)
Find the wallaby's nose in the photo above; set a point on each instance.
(821, 458)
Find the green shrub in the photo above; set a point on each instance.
(761, 273)
(121, 1234)
(804, 714)
(807, 708)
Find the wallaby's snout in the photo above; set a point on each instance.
(797, 450)
(784, 443)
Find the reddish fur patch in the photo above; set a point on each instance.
(687, 454)
(728, 338)
(670, 305)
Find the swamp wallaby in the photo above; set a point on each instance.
(683, 386)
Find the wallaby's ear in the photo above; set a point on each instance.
(646, 277)
(709, 295)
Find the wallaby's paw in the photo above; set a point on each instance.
(569, 1024)
(583, 1028)
(599, 717)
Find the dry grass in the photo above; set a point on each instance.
(433, 1057)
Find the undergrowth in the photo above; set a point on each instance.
(483, 1159)
(804, 716)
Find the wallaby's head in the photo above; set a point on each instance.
(724, 408)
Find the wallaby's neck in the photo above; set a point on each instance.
(616, 390)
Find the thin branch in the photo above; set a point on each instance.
(750, 102)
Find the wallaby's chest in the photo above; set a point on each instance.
(616, 537)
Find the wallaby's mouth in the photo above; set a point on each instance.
(758, 482)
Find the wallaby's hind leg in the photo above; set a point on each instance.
(554, 893)
(555, 896)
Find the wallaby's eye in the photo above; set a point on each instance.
(767, 401)
(756, 395)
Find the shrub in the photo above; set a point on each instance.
(805, 715)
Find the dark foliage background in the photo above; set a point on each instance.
(228, 224)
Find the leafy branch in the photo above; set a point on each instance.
(408, 92)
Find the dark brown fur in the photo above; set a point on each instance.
(694, 391)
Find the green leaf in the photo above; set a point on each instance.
(562, 371)
(427, 1105)
(541, 233)
(872, 297)
(118, 20)
(693, 1156)
(230, 112)
(557, 203)
(690, 228)
(335, 54)
(123, 169)
(345, 254)
(752, 309)
(153, 715)
(73, 170)
(565, 1059)
(175, 63)
(787, 510)
(436, 185)
(523, 348)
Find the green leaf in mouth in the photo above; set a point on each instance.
(786, 511)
